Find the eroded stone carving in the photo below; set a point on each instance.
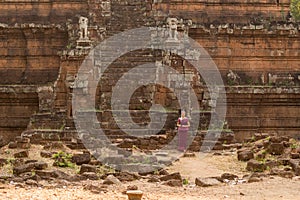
(83, 41)
(281, 79)
(83, 28)
(106, 8)
(173, 33)
(45, 98)
(232, 77)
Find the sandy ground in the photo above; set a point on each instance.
(270, 188)
(275, 188)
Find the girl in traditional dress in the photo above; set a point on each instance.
(183, 125)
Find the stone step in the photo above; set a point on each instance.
(44, 135)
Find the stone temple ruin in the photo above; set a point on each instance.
(255, 46)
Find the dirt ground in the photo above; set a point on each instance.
(204, 165)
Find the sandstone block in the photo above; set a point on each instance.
(276, 148)
(87, 168)
(134, 194)
(21, 154)
(174, 176)
(80, 159)
(23, 168)
(207, 182)
(245, 155)
(173, 183)
(255, 166)
(111, 179)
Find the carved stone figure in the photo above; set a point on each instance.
(83, 28)
(106, 8)
(173, 33)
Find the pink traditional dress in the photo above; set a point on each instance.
(182, 133)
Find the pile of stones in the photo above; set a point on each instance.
(271, 155)
(56, 162)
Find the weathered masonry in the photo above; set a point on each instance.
(255, 45)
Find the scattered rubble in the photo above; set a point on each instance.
(271, 154)
(265, 156)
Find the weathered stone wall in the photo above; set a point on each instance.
(29, 53)
(253, 44)
(17, 105)
(223, 11)
(256, 54)
(41, 11)
(28, 59)
(259, 109)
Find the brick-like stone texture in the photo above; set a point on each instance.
(254, 44)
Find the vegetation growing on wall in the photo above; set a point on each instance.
(295, 9)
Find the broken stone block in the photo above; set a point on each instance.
(90, 175)
(23, 168)
(21, 154)
(40, 165)
(163, 172)
(62, 175)
(127, 176)
(228, 176)
(132, 187)
(30, 161)
(207, 182)
(174, 176)
(12, 145)
(254, 179)
(44, 174)
(259, 144)
(87, 168)
(134, 194)
(272, 163)
(46, 154)
(80, 159)
(153, 179)
(255, 166)
(111, 179)
(245, 155)
(276, 148)
(173, 183)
